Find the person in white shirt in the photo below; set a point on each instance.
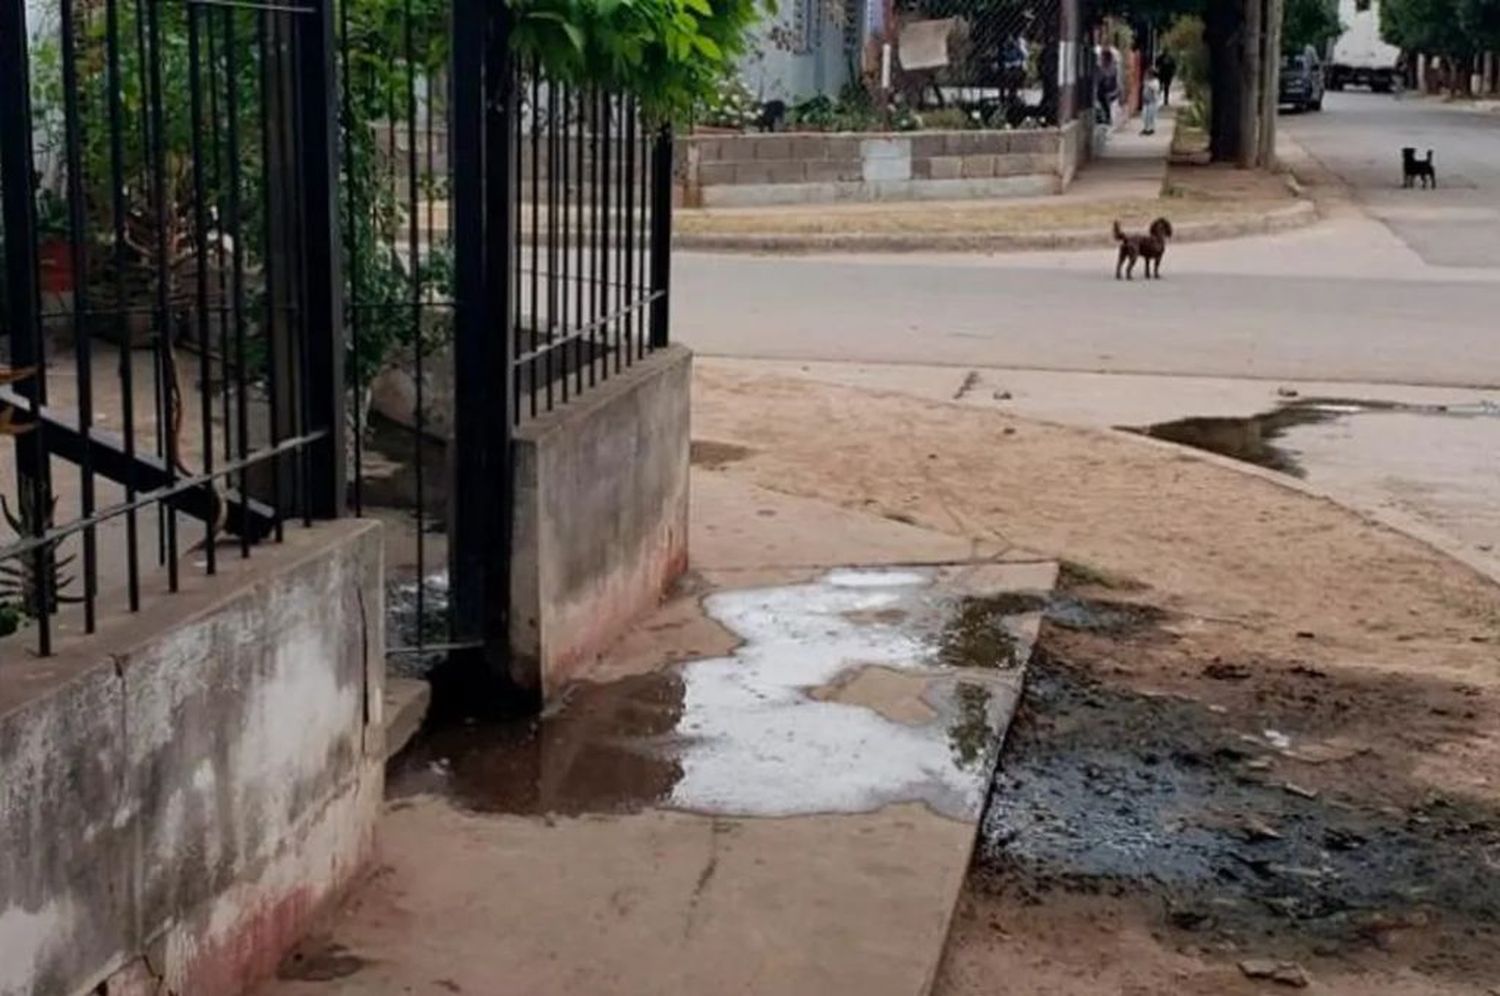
(1150, 100)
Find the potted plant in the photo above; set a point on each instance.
(54, 247)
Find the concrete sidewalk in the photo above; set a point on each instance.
(774, 787)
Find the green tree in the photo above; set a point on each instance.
(1309, 23)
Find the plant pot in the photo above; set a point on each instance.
(55, 263)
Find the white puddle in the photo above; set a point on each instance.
(757, 744)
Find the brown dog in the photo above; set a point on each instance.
(1150, 247)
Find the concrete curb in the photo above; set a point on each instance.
(1298, 215)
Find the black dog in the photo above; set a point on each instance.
(772, 116)
(1414, 169)
(1150, 247)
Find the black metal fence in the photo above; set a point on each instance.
(265, 261)
(535, 243)
(169, 277)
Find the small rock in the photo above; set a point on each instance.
(1277, 739)
(1258, 764)
(1188, 919)
(1223, 671)
(1286, 973)
(1002, 396)
(1306, 634)
(1287, 392)
(1257, 830)
(1300, 791)
(1009, 431)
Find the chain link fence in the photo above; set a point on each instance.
(1007, 64)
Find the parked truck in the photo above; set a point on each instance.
(1360, 57)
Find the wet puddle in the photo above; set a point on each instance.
(766, 731)
(1254, 439)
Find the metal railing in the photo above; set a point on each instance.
(557, 203)
(169, 290)
(266, 261)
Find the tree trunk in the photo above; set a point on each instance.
(1221, 32)
(1270, 84)
(1250, 88)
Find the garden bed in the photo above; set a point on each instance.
(748, 170)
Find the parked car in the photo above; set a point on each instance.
(1301, 81)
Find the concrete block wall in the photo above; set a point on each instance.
(601, 518)
(752, 170)
(183, 791)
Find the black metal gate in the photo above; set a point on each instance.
(171, 277)
(558, 243)
(270, 259)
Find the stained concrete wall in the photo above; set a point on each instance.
(181, 792)
(753, 170)
(601, 523)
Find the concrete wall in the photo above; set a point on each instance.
(181, 792)
(601, 518)
(799, 51)
(750, 170)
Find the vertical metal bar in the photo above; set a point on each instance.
(661, 236)
(627, 231)
(534, 332)
(352, 184)
(275, 248)
(513, 94)
(594, 242)
(147, 126)
(583, 230)
(82, 341)
(170, 392)
(561, 205)
(200, 244)
(22, 295)
(481, 122)
(222, 268)
(551, 239)
(301, 225)
(123, 332)
(237, 257)
(643, 236)
(603, 276)
(414, 251)
(322, 302)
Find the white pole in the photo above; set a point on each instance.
(885, 66)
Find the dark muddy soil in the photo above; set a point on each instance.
(1263, 818)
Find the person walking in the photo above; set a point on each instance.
(1166, 68)
(1107, 86)
(1150, 98)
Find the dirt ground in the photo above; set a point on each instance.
(1287, 758)
(1187, 204)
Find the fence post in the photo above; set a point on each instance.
(323, 281)
(481, 127)
(18, 210)
(661, 236)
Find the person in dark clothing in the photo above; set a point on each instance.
(1166, 68)
(1106, 86)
